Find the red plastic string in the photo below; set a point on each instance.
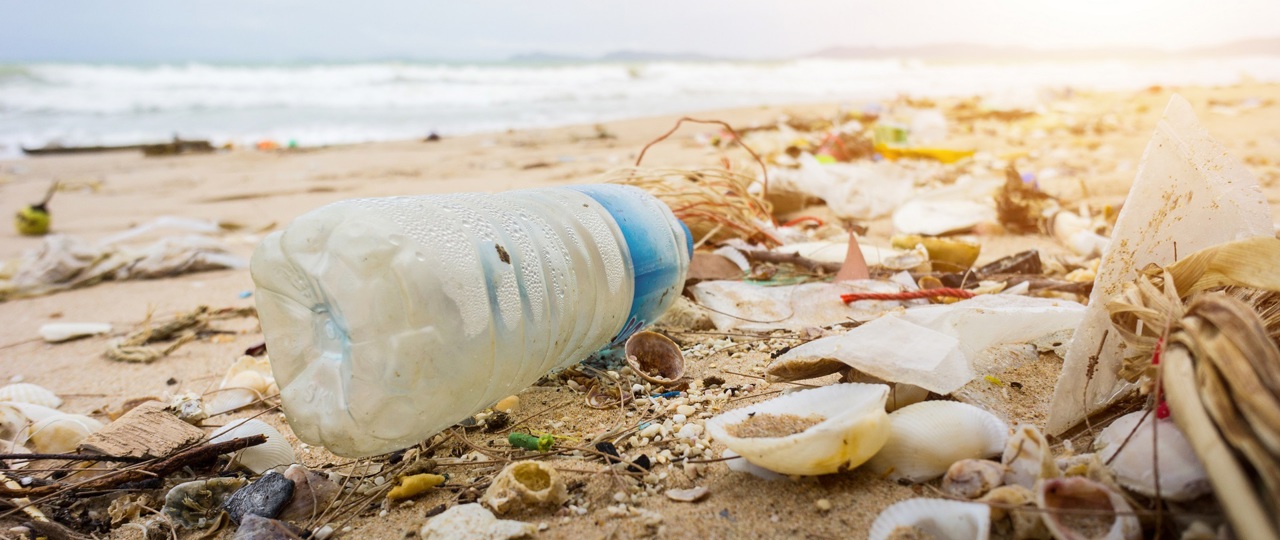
(909, 295)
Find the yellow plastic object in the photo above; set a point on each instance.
(412, 486)
(32, 221)
(944, 155)
(953, 254)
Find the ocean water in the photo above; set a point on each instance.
(318, 104)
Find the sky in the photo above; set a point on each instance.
(293, 30)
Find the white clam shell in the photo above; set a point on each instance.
(56, 332)
(30, 393)
(1182, 476)
(1028, 457)
(853, 428)
(1058, 497)
(926, 438)
(937, 518)
(274, 453)
(60, 433)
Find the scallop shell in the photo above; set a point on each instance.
(935, 518)
(852, 426)
(1182, 476)
(30, 393)
(1059, 497)
(926, 438)
(1028, 457)
(12, 421)
(972, 478)
(655, 358)
(60, 433)
(274, 453)
(525, 484)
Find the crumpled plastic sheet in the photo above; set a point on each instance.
(933, 346)
(64, 262)
(860, 190)
(737, 305)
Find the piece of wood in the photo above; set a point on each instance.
(148, 430)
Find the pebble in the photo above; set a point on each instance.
(686, 410)
(255, 527)
(693, 494)
(690, 431)
(823, 505)
(508, 404)
(266, 497)
(650, 431)
(679, 418)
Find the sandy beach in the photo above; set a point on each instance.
(1094, 146)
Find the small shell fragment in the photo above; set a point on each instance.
(1028, 457)
(58, 332)
(507, 404)
(693, 494)
(473, 521)
(654, 357)
(525, 484)
(1182, 476)
(972, 478)
(30, 393)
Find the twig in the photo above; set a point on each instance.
(184, 458)
(70, 457)
(764, 171)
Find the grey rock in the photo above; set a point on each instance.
(265, 497)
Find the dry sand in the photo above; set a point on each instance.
(261, 190)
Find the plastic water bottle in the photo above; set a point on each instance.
(388, 320)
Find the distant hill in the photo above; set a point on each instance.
(969, 51)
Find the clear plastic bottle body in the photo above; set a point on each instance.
(390, 319)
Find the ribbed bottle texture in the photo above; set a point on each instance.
(389, 319)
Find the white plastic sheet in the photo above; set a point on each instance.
(933, 347)
(1189, 194)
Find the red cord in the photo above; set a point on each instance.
(795, 221)
(908, 295)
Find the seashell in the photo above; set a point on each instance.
(926, 438)
(473, 521)
(189, 408)
(693, 494)
(948, 253)
(810, 432)
(525, 484)
(1182, 476)
(654, 357)
(507, 404)
(1079, 508)
(276, 452)
(30, 393)
(799, 369)
(933, 518)
(60, 433)
(903, 395)
(1028, 457)
(57, 332)
(1007, 520)
(972, 478)
(194, 504)
(312, 493)
(12, 421)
